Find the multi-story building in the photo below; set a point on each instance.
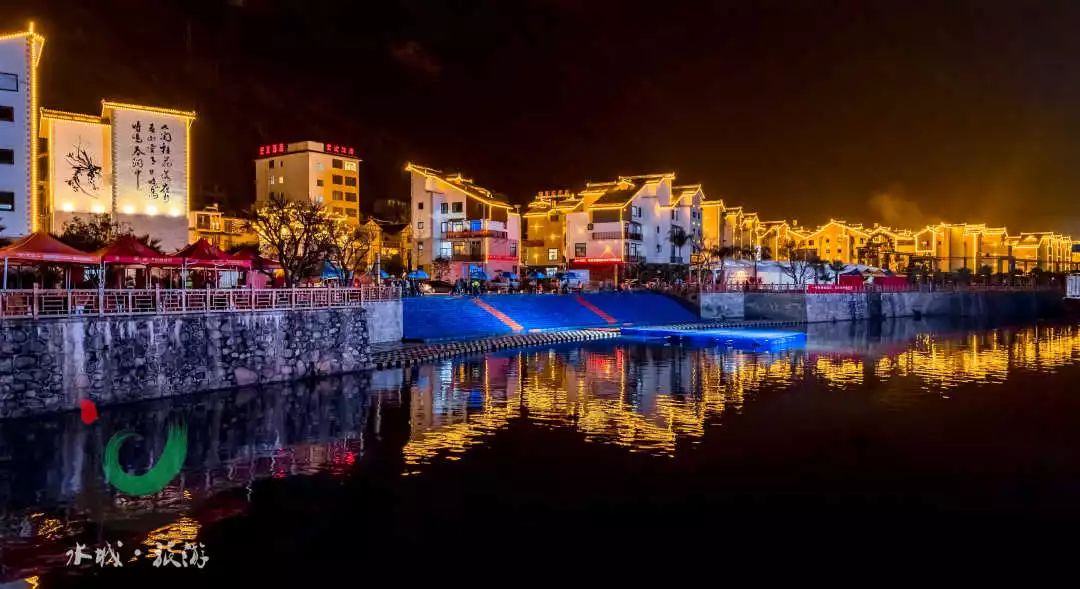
(544, 224)
(837, 241)
(395, 244)
(20, 53)
(462, 224)
(131, 162)
(223, 231)
(310, 171)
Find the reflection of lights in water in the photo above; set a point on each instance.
(184, 529)
(648, 398)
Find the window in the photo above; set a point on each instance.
(810, 242)
(444, 208)
(458, 207)
(459, 248)
(579, 250)
(553, 254)
(350, 212)
(419, 224)
(9, 82)
(335, 179)
(513, 249)
(317, 197)
(7, 201)
(658, 248)
(658, 230)
(350, 197)
(339, 211)
(273, 180)
(318, 166)
(319, 182)
(444, 226)
(420, 247)
(7, 156)
(281, 179)
(350, 181)
(336, 164)
(7, 114)
(444, 250)
(635, 212)
(350, 166)
(271, 164)
(674, 214)
(457, 226)
(420, 206)
(336, 195)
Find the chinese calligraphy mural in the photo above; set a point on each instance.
(150, 150)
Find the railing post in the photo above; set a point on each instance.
(157, 299)
(207, 298)
(34, 302)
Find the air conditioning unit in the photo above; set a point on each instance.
(589, 227)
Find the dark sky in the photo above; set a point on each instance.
(957, 111)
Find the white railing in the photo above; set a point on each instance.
(66, 303)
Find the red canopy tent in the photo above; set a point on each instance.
(203, 254)
(128, 249)
(260, 266)
(43, 248)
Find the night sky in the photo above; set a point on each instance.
(902, 112)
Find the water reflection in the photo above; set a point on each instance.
(645, 398)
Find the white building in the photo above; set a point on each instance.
(631, 221)
(19, 56)
(468, 226)
(326, 173)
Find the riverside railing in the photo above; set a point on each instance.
(68, 303)
(843, 288)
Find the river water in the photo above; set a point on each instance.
(908, 437)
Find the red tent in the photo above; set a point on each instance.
(258, 262)
(42, 247)
(128, 249)
(203, 254)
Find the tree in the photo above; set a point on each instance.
(678, 238)
(348, 253)
(440, 267)
(801, 265)
(985, 272)
(299, 236)
(93, 232)
(720, 253)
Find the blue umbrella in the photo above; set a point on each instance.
(508, 275)
(537, 275)
(418, 275)
(570, 275)
(479, 275)
(383, 274)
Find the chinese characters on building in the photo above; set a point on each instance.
(151, 158)
(166, 555)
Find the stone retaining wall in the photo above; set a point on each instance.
(51, 364)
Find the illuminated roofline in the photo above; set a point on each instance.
(59, 115)
(437, 175)
(106, 104)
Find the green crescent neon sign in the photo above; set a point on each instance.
(165, 469)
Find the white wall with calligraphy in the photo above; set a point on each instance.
(150, 174)
(80, 170)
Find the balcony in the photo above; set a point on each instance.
(634, 259)
(477, 257)
(481, 233)
(616, 235)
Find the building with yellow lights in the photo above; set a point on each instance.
(132, 162)
(310, 171)
(544, 223)
(216, 227)
(469, 227)
(20, 53)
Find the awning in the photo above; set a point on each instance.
(127, 249)
(257, 262)
(203, 254)
(42, 247)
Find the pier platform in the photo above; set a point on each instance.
(741, 338)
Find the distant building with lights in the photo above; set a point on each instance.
(131, 162)
(20, 53)
(223, 231)
(310, 171)
(470, 227)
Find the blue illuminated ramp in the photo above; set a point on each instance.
(757, 339)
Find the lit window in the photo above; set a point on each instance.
(336, 195)
(420, 247)
(350, 212)
(350, 166)
(459, 248)
(339, 211)
(444, 250)
(553, 255)
(281, 179)
(443, 226)
(272, 181)
(579, 250)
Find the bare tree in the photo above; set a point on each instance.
(350, 247)
(801, 265)
(297, 235)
